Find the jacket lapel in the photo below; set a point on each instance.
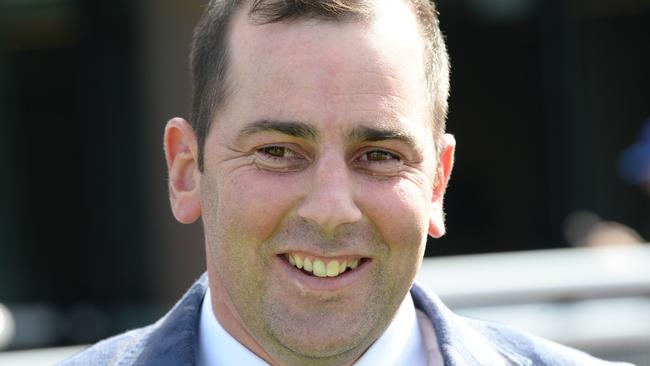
(459, 343)
(174, 339)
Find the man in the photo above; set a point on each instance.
(317, 160)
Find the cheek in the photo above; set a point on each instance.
(256, 202)
(398, 210)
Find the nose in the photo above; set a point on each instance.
(329, 201)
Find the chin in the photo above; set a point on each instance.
(326, 337)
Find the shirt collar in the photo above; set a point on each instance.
(400, 344)
(216, 346)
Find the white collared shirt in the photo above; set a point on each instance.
(400, 344)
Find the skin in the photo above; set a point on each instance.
(324, 147)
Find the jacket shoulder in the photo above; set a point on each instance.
(122, 349)
(538, 350)
(170, 341)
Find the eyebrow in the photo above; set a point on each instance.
(363, 133)
(290, 128)
(305, 131)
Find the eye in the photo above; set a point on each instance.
(379, 162)
(277, 152)
(378, 155)
(280, 158)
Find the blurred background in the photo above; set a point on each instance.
(548, 104)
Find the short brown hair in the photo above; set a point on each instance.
(209, 56)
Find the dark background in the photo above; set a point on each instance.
(545, 95)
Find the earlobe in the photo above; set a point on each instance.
(446, 164)
(182, 165)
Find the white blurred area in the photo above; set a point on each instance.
(7, 327)
(595, 299)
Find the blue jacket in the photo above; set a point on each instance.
(173, 339)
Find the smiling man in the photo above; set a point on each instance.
(317, 161)
(316, 180)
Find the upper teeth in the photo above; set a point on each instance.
(322, 267)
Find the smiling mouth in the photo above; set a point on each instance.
(323, 267)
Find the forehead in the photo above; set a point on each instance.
(371, 69)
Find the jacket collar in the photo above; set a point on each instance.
(461, 343)
(174, 338)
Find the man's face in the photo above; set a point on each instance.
(323, 154)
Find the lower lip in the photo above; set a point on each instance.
(325, 284)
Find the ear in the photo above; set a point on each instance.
(182, 165)
(445, 164)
